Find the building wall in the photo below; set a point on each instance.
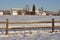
(1, 13)
(40, 13)
(14, 13)
(6, 12)
(19, 12)
(43, 13)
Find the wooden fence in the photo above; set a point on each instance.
(7, 23)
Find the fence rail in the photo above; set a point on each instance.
(30, 22)
(7, 23)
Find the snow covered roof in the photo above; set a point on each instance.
(17, 9)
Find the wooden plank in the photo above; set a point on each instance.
(57, 21)
(2, 22)
(28, 27)
(6, 27)
(52, 25)
(30, 22)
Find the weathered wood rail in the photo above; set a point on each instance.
(7, 23)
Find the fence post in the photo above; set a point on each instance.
(52, 25)
(6, 27)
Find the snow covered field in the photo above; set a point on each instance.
(29, 18)
(39, 34)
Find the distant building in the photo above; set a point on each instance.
(40, 13)
(48, 13)
(56, 14)
(17, 11)
(6, 12)
(14, 11)
(28, 12)
(44, 13)
(1, 12)
(37, 12)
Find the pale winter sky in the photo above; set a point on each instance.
(51, 5)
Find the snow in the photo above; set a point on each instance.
(28, 18)
(32, 34)
(39, 35)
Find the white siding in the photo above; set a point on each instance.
(43, 13)
(23, 13)
(14, 13)
(1, 13)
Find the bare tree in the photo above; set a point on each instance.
(26, 8)
(58, 11)
(42, 9)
